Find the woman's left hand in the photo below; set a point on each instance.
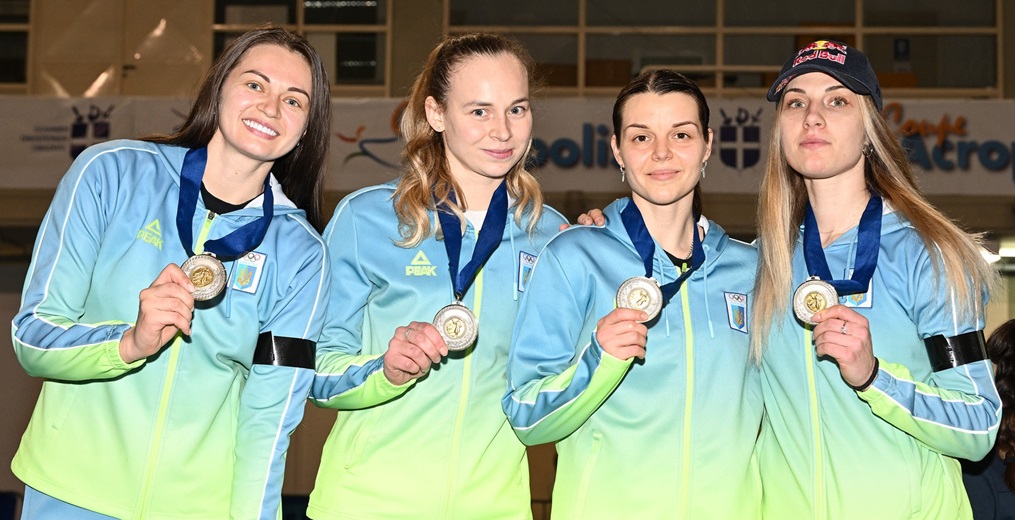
(844, 335)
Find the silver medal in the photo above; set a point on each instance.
(812, 296)
(641, 293)
(207, 274)
(457, 325)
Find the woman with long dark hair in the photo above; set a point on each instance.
(175, 398)
(990, 482)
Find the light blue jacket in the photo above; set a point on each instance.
(668, 437)
(439, 447)
(829, 452)
(194, 431)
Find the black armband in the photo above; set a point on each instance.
(283, 351)
(955, 351)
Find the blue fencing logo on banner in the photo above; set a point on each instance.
(89, 128)
(740, 139)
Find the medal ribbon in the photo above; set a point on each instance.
(489, 238)
(241, 240)
(634, 223)
(868, 243)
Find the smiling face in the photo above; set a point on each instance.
(486, 123)
(263, 105)
(821, 127)
(662, 146)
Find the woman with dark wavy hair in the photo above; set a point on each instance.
(175, 398)
(990, 482)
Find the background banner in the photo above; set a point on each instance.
(956, 147)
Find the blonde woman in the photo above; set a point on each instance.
(421, 433)
(868, 314)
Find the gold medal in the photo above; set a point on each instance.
(207, 274)
(813, 296)
(457, 325)
(641, 293)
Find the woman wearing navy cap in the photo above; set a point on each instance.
(868, 312)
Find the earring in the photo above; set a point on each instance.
(622, 174)
(703, 165)
(867, 150)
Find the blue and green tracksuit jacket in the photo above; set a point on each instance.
(438, 447)
(829, 452)
(671, 436)
(195, 431)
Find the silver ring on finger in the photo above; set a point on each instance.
(843, 329)
(407, 331)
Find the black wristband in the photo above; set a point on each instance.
(283, 351)
(870, 380)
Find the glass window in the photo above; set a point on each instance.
(613, 60)
(13, 53)
(948, 13)
(351, 58)
(933, 61)
(254, 12)
(790, 13)
(344, 12)
(14, 11)
(650, 12)
(556, 57)
(514, 12)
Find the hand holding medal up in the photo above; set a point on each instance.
(844, 335)
(622, 333)
(412, 351)
(166, 308)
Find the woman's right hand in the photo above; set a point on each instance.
(166, 307)
(412, 351)
(621, 335)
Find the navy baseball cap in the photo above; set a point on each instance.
(842, 62)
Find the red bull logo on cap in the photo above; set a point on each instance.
(822, 50)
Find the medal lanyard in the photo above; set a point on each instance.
(635, 226)
(868, 243)
(489, 238)
(240, 241)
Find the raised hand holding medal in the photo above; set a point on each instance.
(205, 270)
(456, 323)
(820, 291)
(643, 292)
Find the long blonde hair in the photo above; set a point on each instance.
(782, 202)
(426, 173)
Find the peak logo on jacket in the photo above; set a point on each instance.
(420, 266)
(152, 234)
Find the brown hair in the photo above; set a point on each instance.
(663, 82)
(301, 171)
(426, 173)
(1001, 349)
